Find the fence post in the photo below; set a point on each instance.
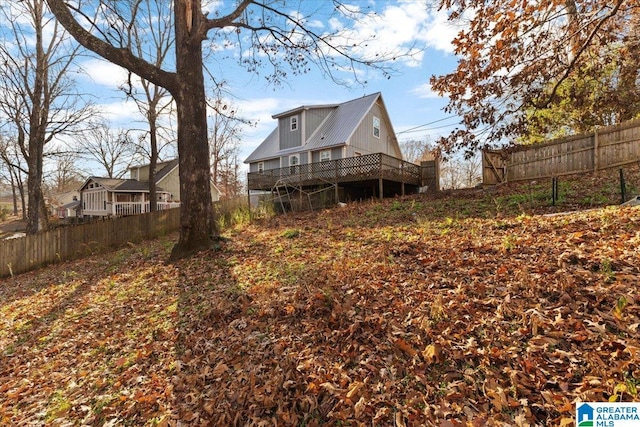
(596, 150)
(623, 187)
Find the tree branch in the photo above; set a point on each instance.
(119, 56)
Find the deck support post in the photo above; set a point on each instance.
(335, 167)
(249, 202)
(380, 184)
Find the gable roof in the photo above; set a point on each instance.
(266, 149)
(121, 185)
(336, 129)
(163, 168)
(166, 169)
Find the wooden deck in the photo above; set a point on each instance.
(377, 166)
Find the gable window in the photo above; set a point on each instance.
(293, 122)
(376, 127)
(260, 167)
(325, 155)
(294, 163)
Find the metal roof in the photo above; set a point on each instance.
(302, 108)
(336, 129)
(267, 149)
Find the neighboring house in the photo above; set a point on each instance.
(64, 205)
(117, 197)
(349, 146)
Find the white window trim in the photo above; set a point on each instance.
(376, 119)
(293, 123)
(328, 157)
(260, 167)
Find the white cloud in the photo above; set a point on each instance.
(441, 32)
(122, 112)
(425, 91)
(401, 29)
(104, 73)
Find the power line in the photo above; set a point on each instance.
(417, 128)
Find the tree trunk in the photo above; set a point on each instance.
(197, 227)
(153, 160)
(14, 194)
(37, 212)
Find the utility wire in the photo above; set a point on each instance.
(416, 128)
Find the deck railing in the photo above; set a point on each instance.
(137, 208)
(350, 169)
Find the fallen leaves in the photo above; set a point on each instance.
(452, 323)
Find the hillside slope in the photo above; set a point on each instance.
(466, 309)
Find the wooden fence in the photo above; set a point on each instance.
(608, 147)
(21, 254)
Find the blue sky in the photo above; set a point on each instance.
(407, 94)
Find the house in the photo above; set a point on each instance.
(64, 205)
(349, 147)
(102, 197)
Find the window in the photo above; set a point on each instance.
(376, 127)
(325, 155)
(294, 162)
(260, 167)
(293, 121)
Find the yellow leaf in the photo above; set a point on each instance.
(354, 389)
(431, 353)
(620, 388)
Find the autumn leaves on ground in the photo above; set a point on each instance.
(467, 309)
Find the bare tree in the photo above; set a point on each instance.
(66, 175)
(15, 171)
(38, 98)
(152, 41)
(224, 139)
(111, 149)
(457, 172)
(262, 28)
(471, 169)
(416, 150)
(450, 178)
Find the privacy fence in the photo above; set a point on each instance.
(609, 147)
(21, 254)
